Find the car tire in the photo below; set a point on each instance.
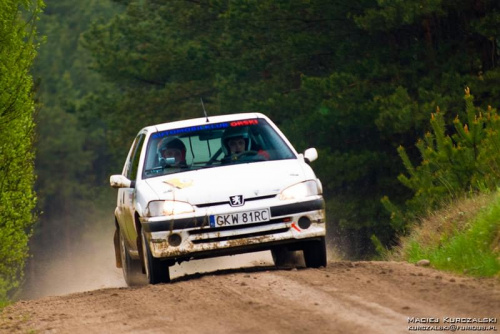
(132, 268)
(315, 253)
(283, 257)
(157, 271)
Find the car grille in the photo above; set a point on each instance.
(204, 205)
(208, 235)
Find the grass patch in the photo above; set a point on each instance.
(3, 304)
(464, 237)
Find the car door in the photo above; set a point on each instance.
(126, 196)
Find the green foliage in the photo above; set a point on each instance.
(67, 160)
(451, 166)
(17, 198)
(379, 247)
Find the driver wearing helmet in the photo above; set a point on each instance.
(172, 152)
(237, 143)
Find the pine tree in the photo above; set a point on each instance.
(451, 165)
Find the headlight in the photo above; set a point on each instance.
(301, 190)
(168, 208)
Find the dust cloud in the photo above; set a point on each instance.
(89, 264)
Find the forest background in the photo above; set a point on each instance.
(356, 80)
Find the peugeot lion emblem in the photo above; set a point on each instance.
(236, 200)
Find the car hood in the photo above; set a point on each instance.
(215, 185)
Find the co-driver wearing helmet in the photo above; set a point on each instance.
(172, 148)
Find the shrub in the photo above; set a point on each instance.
(467, 161)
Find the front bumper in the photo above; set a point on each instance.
(199, 240)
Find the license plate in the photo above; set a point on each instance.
(240, 218)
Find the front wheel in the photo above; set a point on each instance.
(315, 253)
(132, 268)
(280, 256)
(157, 271)
(284, 258)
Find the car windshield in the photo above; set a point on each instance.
(213, 145)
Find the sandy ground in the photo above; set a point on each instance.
(345, 297)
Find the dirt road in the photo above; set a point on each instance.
(345, 297)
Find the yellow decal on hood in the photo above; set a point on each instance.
(179, 183)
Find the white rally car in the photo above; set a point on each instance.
(215, 186)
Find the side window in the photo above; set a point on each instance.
(133, 163)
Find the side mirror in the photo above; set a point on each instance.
(310, 154)
(120, 181)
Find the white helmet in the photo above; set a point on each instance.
(171, 143)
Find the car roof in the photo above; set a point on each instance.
(202, 121)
